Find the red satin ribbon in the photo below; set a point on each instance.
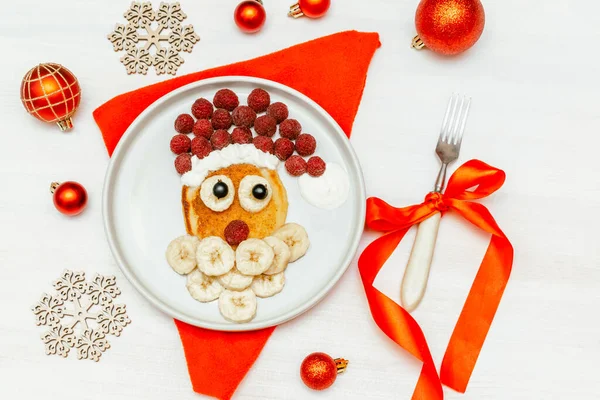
(473, 180)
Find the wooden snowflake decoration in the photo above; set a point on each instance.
(80, 315)
(153, 38)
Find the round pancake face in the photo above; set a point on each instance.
(202, 221)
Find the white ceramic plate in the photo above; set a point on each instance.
(142, 209)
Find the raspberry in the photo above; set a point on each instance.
(184, 123)
(259, 100)
(243, 116)
(241, 135)
(180, 144)
(283, 148)
(290, 128)
(315, 166)
(225, 98)
(183, 163)
(201, 147)
(263, 143)
(221, 119)
(236, 232)
(220, 139)
(295, 165)
(204, 128)
(279, 111)
(306, 144)
(265, 125)
(202, 109)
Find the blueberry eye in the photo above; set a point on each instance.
(259, 191)
(220, 190)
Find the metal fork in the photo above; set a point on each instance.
(447, 149)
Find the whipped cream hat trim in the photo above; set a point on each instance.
(230, 155)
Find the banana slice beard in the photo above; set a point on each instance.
(214, 256)
(295, 237)
(181, 254)
(253, 257)
(238, 306)
(202, 287)
(235, 280)
(268, 285)
(282, 255)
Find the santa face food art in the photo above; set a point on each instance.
(238, 244)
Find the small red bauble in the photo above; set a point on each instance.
(309, 8)
(250, 16)
(70, 198)
(51, 93)
(319, 371)
(448, 26)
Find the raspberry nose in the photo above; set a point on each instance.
(236, 232)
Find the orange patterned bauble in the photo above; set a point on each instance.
(309, 8)
(51, 93)
(448, 26)
(319, 371)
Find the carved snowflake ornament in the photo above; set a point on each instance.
(145, 36)
(80, 315)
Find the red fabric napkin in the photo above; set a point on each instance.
(332, 71)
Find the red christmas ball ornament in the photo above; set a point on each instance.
(51, 93)
(319, 371)
(448, 26)
(309, 8)
(250, 16)
(70, 198)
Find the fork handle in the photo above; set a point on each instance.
(419, 263)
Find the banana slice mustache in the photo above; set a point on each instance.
(253, 257)
(181, 254)
(214, 256)
(202, 287)
(295, 237)
(238, 306)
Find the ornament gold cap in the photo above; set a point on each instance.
(65, 124)
(259, 1)
(417, 43)
(54, 186)
(341, 365)
(295, 11)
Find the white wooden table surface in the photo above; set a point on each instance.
(535, 81)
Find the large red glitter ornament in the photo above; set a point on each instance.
(448, 26)
(319, 371)
(70, 198)
(309, 8)
(51, 93)
(250, 16)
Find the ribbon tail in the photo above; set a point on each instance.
(477, 314)
(393, 320)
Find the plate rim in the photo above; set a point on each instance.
(108, 188)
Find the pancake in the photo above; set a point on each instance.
(202, 222)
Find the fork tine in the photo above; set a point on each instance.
(447, 119)
(457, 120)
(464, 122)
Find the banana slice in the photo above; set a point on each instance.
(253, 257)
(268, 285)
(235, 280)
(295, 237)
(238, 306)
(282, 255)
(214, 256)
(181, 254)
(202, 287)
(254, 193)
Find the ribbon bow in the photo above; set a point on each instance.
(473, 180)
